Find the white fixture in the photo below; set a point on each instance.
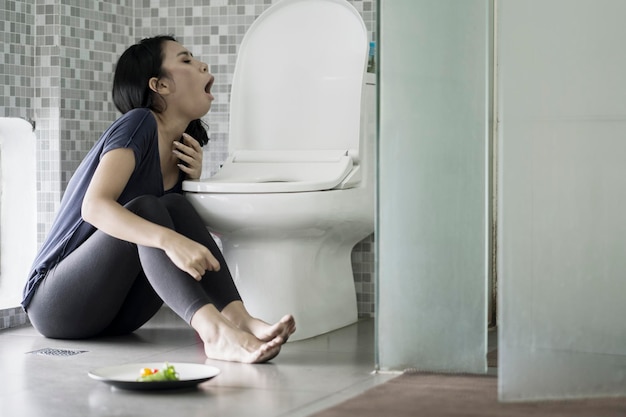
(297, 191)
(18, 208)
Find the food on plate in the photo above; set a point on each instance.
(168, 373)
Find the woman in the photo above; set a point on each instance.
(125, 240)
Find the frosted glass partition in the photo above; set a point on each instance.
(562, 141)
(433, 189)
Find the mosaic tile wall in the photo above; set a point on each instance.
(57, 65)
(12, 317)
(17, 46)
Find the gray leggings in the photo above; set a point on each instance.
(109, 286)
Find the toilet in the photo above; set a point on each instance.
(296, 192)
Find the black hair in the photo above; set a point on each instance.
(131, 90)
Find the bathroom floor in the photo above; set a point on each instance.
(308, 375)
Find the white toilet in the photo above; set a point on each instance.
(297, 190)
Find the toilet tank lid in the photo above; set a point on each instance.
(276, 172)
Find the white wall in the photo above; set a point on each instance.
(433, 192)
(18, 208)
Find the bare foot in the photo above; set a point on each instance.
(284, 328)
(239, 316)
(242, 347)
(224, 341)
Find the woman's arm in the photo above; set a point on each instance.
(101, 209)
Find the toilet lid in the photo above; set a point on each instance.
(298, 78)
(277, 172)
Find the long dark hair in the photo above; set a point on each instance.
(136, 66)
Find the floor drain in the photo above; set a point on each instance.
(56, 352)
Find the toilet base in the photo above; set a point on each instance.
(310, 278)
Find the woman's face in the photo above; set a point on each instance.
(188, 81)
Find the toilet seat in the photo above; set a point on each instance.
(279, 172)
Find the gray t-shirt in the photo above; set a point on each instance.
(136, 130)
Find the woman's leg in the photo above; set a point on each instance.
(101, 287)
(84, 294)
(90, 292)
(219, 285)
(140, 305)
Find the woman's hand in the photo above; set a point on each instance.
(190, 154)
(190, 256)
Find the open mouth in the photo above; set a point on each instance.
(207, 87)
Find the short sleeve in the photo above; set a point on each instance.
(135, 130)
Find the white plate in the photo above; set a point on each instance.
(125, 376)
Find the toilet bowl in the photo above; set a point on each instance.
(297, 190)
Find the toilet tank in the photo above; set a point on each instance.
(298, 79)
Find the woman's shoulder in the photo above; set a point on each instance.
(134, 122)
(138, 115)
(135, 126)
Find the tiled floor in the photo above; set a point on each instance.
(307, 376)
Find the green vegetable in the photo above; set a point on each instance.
(168, 373)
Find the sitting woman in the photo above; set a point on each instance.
(125, 240)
